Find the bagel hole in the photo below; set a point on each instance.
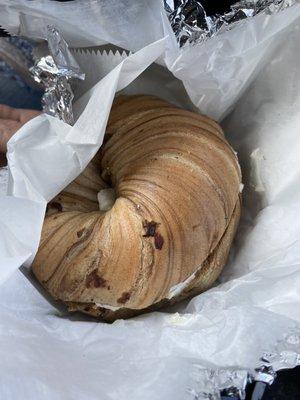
(106, 198)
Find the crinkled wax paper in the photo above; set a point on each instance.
(217, 72)
(48, 354)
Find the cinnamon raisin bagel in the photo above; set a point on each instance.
(169, 229)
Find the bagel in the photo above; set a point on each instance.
(168, 187)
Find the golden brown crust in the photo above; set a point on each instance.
(177, 183)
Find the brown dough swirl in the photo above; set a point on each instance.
(177, 207)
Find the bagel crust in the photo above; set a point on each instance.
(168, 233)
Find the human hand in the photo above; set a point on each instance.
(11, 120)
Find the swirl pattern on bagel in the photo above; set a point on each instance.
(177, 206)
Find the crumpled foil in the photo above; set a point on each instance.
(218, 384)
(191, 24)
(230, 383)
(285, 356)
(55, 72)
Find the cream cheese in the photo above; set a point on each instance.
(179, 287)
(108, 307)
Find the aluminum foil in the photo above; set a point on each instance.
(191, 24)
(286, 355)
(56, 72)
(230, 383)
(218, 384)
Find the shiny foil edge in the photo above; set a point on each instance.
(231, 383)
(55, 72)
(191, 24)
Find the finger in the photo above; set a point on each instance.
(27, 115)
(17, 114)
(7, 112)
(7, 129)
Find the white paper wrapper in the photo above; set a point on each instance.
(47, 354)
(47, 154)
(215, 73)
(128, 24)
